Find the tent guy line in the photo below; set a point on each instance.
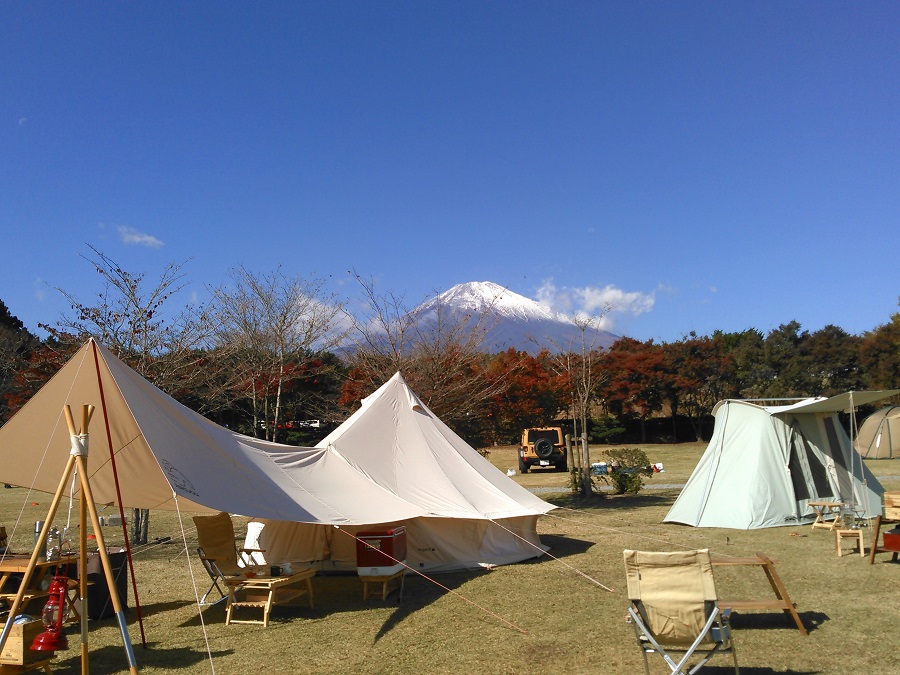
(438, 584)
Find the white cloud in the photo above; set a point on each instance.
(40, 289)
(591, 301)
(131, 236)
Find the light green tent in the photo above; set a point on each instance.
(879, 435)
(764, 463)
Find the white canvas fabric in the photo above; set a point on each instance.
(764, 464)
(879, 434)
(163, 449)
(476, 515)
(393, 462)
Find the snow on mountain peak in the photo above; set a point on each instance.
(520, 323)
(486, 295)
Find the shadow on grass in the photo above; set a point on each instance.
(758, 621)
(157, 608)
(606, 501)
(342, 593)
(721, 670)
(419, 592)
(112, 659)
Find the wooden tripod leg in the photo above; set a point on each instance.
(32, 563)
(104, 558)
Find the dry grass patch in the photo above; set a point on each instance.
(571, 624)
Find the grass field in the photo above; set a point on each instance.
(562, 621)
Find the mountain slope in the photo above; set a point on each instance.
(516, 321)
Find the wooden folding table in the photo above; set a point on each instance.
(18, 564)
(825, 508)
(265, 591)
(781, 600)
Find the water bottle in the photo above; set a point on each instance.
(53, 543)
(38, 526)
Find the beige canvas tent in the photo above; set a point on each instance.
(764, 463)
(476, 515)
(879, 434)
(166, 453)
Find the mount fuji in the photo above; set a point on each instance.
(515, 321)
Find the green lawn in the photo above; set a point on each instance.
(562, 620)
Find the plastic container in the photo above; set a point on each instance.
(892, 540)
(381, 554)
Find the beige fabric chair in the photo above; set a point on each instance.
(219, 553)
(673, 608)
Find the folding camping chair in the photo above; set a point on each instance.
(219, 553)
(673, 608)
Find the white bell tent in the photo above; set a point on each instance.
(476, 515)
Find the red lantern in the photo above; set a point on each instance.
(55, 613)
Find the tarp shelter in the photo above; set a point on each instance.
(163, 449)
(477, 516)
(764, 463)
(879, 434)
(166, 452)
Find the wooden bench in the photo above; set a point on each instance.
(781, 600)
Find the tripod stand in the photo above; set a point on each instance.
(77, 462)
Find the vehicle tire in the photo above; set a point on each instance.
(523, 466)
(562, 467)
(543, 448)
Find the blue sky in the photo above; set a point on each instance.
(704, 165)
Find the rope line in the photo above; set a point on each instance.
(550, 555)
(187, 554)
(436, 583)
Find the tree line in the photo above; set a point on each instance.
(270, 352)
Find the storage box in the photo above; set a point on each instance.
(892, 540)
(378, 553)
(17, 651)
(892, 505)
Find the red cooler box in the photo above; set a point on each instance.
(377, 553)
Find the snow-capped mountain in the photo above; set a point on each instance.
(514, 320)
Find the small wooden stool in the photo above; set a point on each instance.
(854, 533)
(385, 582)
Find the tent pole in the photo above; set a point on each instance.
(83, 582)
(112, 460)
(107, 567)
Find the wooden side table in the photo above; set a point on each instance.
(822, 509)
